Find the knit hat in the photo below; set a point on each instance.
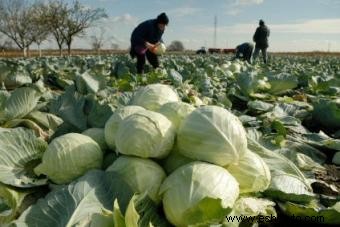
(162, 19)
(261, 22)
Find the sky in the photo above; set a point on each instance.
(295, 25)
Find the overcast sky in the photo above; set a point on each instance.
(296, 25)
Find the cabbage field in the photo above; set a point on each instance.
(84, 141)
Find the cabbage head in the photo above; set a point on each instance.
(212, 134)
(235, 67)
(327, 113)
(68, 157)
(229, 74)
(111, 126)
(142, 175)
(176, 111)
(153, 96)
(174, 161)
(160, 49)
(145, 134)
(225, 65)
(336, 158)
(251, 172)
(97, 134)
(198, 193)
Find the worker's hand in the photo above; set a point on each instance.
(151, 47)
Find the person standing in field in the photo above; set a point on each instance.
(261, 39)
(244, 51)
(145, 38)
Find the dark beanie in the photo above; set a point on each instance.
(261, 22)
(162, 19)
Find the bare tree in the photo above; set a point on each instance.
(16, 22)
(40, 24)
(6, 44)
(55, 14)
(98, 40)
(176, 46)
(78, 19)
(114, 42)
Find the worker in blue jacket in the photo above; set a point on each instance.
(244, 51)
(144, 39)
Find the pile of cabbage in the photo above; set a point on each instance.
(193, 161)
(157, 161)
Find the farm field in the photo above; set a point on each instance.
(85, 141)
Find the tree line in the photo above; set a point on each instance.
(27, 22)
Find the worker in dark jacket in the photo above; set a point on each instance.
(144, 39)
(261, 39)
(244, 51)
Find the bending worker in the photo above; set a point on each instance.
(244, 51)
(144, 39)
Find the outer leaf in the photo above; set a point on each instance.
(17, 79)
(69, 205)
(21, 102)
(321, 140)
(105, 219)
(118, 217)
(304, 162)
(251, 172)
(282, 82)
(330, 215)
(260, 106)
(142, 212)
(70, 107)
(143, 175)
(27, 124)
(286, 187)
(20, 150)
(10, 200)
(98, 112)
(277, 163)
(4, 95)
(87, 83)
(46, 120)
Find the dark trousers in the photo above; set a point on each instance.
(152, 59)
(264, 54)
(247, 55)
